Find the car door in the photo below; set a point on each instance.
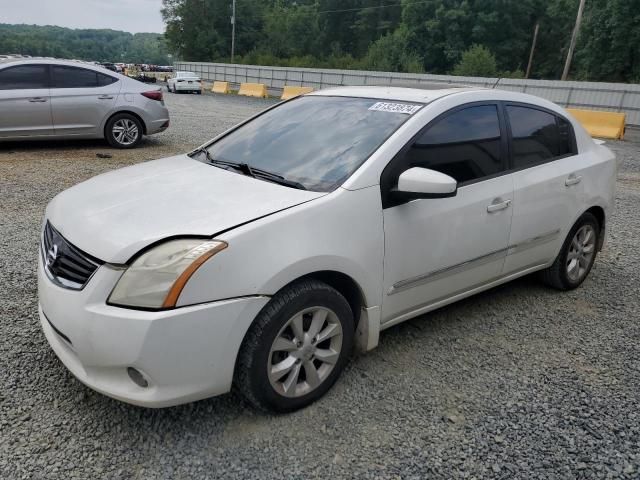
(548, 192)
(25, 102)
(80, 99)
(437, 248)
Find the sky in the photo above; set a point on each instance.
(128, 15)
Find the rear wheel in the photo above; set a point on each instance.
(296, 348)
(123, 131)
(577, 256)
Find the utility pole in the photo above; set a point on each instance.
(574, 39)
(233, 29)
(533, 48)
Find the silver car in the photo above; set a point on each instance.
(45, 99)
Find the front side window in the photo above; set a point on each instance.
(316, 141)
(537, 136)
(465, 145)
(24, 77)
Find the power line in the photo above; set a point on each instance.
(374, 8)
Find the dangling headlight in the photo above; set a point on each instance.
(156, 278)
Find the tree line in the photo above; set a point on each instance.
(94, 45)
(466, 37)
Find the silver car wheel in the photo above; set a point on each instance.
(125, 131)
(305, 352)
(581, 253)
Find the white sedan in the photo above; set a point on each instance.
(263, 257)
(185, 82)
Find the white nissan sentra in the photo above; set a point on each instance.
(261, 259)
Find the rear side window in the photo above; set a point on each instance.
(73, 77)
(24, 77)
(538, 136)
(465, 145)
(104, 80)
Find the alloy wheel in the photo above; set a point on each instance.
(305, 352)
(581, 251)
(125, 131)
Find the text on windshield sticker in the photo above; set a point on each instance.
(395, 108)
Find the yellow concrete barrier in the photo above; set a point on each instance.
(220, 87)
(601, 124)
(290, 92)
(253, 90)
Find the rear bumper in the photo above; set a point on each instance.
(157, 126)
(185, 354)
(188, 87)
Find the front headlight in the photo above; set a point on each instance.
(156, 278)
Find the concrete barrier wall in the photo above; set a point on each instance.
(615, 97)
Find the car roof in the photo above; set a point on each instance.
(420, 93)
(45, 60)
(54, 61)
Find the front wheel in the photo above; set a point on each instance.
(123, 131)
(577, 256)
(296, 348)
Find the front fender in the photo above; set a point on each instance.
(339, 232)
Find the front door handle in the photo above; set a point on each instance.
(37, 100)
(498, 204)
(573, 179)
(105, 97)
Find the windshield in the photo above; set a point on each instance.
(316, 141)
(186, 74)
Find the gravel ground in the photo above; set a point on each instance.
(518, 382)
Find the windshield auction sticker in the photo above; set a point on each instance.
(405, 108)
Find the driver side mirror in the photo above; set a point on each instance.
(420, 182)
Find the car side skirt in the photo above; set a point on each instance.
(460, 295)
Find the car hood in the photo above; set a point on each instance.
(115, 215)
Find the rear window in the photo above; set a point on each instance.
(315, 140)
(538, 136)
(24, 77)
(73, 77)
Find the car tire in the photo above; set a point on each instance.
(123, 130)
(577, 255)
(283, 365)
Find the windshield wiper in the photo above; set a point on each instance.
(272, 177)
(253, 172)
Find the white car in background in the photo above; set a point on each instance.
(261, 258)
(185, 82)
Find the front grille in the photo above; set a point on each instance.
(66, 265)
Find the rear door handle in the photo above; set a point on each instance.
(498, 204)
(37, 100)
(105, 97)
(572, 180)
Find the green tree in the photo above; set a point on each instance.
(439, 30)
(393, 53)
(292, 30)
(609, 42)
(95, 45)
(478, 61)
